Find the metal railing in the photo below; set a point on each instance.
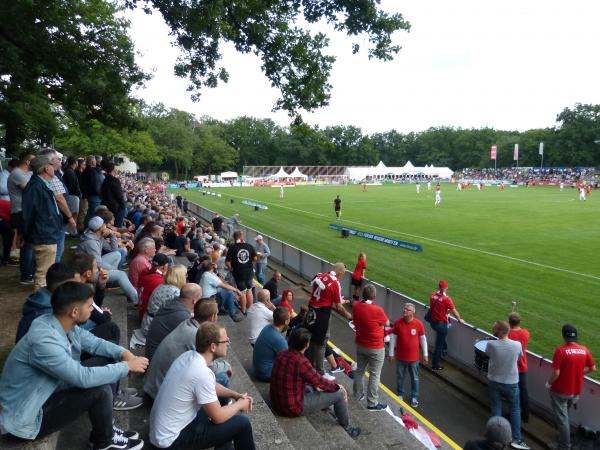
(461, 338)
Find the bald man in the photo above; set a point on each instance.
(171, 315)
(260, 314)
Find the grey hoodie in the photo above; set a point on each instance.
(92, 244)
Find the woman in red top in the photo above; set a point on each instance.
(287, 297)
(358, 275)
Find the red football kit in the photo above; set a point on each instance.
(369, 319)
(407, 339)
(326, 290)
(570, 359)
(440, 304)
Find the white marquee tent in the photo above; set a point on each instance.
(380, 171)
(280, 174)
(297, 174)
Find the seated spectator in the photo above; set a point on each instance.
(260, 314)
(187, 412)
(213, 286)
(298, 389)
(174, 281)
(182, 245)
(271, 286)
(145, 250)
(270, 341)
(47, 357)
(180, 340)
(497, 435)
(171, 315)
(94, 240)
(38, 303)
(150, 280)
(287, 298)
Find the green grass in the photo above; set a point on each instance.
(538, 246)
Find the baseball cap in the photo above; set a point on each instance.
(160, 259)
(40, 161)
(443, 284)
(569, 332)
(95, 223)
(258, 238)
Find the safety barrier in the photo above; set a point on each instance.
(461, 338)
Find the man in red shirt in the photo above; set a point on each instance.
(291, 376)
(326, 294)
(369, 322)
(142, 262)
(150, 280)
(570, 363)
(521, 335)
(407, 334)
(440, 305)
(358, 275)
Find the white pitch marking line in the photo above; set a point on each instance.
(463, 247)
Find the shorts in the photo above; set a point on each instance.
(244, 283)
(357, 283)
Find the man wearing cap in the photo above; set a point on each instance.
(570, 363)
(326, 294)
(41, 217)
(262, 254)
(440, 304)
(150, 280)
(98, 238)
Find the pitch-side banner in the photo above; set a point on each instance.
(381, 239)
(493, 152)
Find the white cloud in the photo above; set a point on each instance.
(507, 65)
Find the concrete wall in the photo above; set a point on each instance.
(461, 338)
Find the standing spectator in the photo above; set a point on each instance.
(185, 205)
(369, 322)
(521, 335)
(570, 362)
(240, 257)
(272, 287)
(142, 262)
(112, 194)
(260, 314)
(503, 379)
(43, 224)
(187, 412)
(232, 224)
(326, 294)
(217, 222)
(496, 436)
(16, 183)
(440, 304)
(298, 389)
(90, 187)
(171, 315)
(407, 333)
(7, 231)
(72, 184)
(270, 341)
(48, 358)
(358, 275)
(262, 255)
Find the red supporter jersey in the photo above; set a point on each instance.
(521, 336)
(326, 290)
(358, 270)
(407, 339)
(440, 304)
(570, 359)
(369, 320)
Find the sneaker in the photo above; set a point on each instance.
(337, 369)
(238, 316)
(377, 407)
(126, 434)
(124, 402)
(119, 442)
(353, 432)
(329, 377)
(437, 368)
(520, 445)
(360, 398)
(414, 403)
(130, 391)
(26, 280)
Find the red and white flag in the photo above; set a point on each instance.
(516, 155)
(493, 152)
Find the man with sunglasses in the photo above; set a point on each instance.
(187, 413)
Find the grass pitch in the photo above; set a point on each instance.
(537, 246)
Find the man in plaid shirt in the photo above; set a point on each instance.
(298, 389)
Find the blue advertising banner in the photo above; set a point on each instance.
(258, 205)
(376, 237)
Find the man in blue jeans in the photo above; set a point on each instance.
(503, 378)
(440, 305)
(187, 412)
(225, 294)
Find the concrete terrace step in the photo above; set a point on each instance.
(47, 443)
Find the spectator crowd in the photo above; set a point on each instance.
(129, 234)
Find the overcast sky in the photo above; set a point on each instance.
(511, 65)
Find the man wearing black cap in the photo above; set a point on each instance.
(570, 363)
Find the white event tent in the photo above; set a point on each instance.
(381, 171)
(297, 174)
(280, 174)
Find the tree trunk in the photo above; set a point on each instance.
(176, 169)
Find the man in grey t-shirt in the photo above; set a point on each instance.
(503, 378)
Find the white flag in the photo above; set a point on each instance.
(516, 154)
(541, 148)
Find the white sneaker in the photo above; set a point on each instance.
(329, 377)
(520, 445)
